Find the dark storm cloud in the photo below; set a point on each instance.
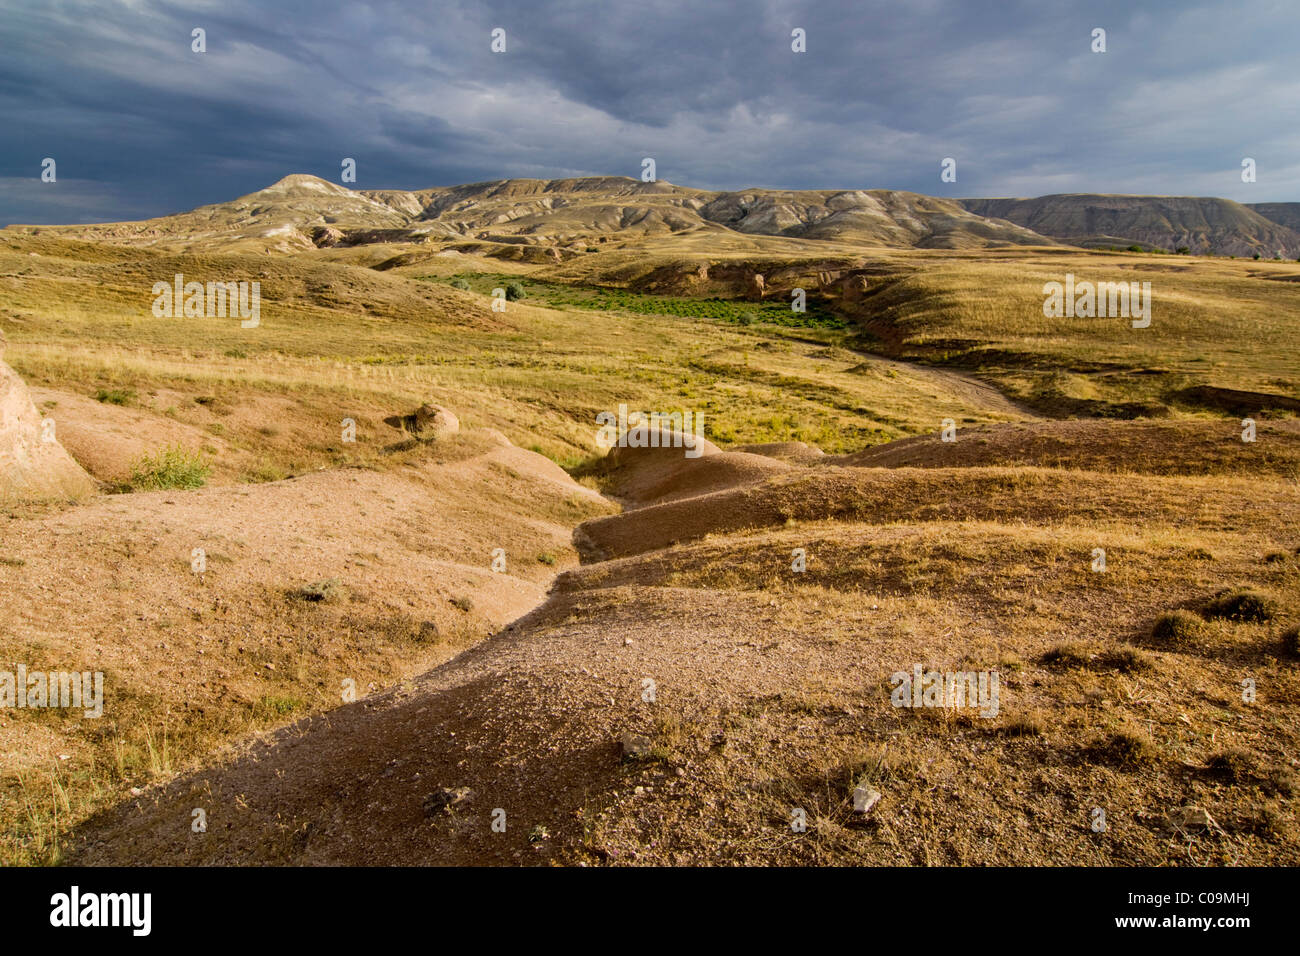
(139, 125)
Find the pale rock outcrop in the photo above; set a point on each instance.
(33, 465)
(427, 423)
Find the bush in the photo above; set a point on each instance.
(273, 706)
(1234, 766)
(514, 292)
(459, 283)
(115, 396)
(1127, 660)
(1241, 604)
(1069, 655)
(173, 467)
(1176, 627)
(1027, 725)
(1127, 748)
(329, 589)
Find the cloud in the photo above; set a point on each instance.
(712, 91)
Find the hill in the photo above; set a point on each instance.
(1217, 226)
(1283, 213)
(565, 217)
(300, 211)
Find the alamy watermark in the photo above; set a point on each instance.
(75, 908)
(953, 689)
(194, 300)
(1098, 300)
(40, 689)
(654, 430)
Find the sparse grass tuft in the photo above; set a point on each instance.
(1242, 604)
(173, 467)
(115, 396)
(273, 706)
(1233, 766)
(1069, 655)
(1026, 725)
(1127, 660)
(1176, 628)
(1291, 642)
(1125, 748)
(328, 589)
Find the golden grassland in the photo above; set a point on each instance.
(981, 565)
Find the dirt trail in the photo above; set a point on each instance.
(968, 387)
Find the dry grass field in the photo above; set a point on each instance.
(648, 678)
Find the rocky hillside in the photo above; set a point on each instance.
(1204, 225)
(568, 216)
(1283, 213)
(301, 211)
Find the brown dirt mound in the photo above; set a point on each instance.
(33, 465)
(1149, 447)
(645, 476)
(107, 440)
(793, 451)
(765, 700)
(908, 494)
(530, 721)
(411, 551)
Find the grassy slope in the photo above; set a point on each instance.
(1214, 321)
(340, 339)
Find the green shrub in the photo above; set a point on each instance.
(173, 467)
(460, 283)
(514, 292)
(272, 706)
(115, 396)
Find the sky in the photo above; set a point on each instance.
(139, 124)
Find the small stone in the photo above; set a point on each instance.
(865, 797)
(1190, 817)
(635, 745)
